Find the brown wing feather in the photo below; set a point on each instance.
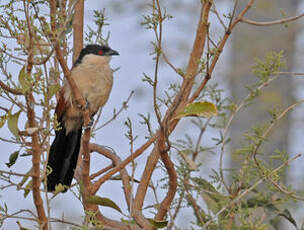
(61, 105)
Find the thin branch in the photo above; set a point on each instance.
(166, 203)
(214, 10)
(102, 171)
(136, 154)
(219, 50)
(14, 173)
(275, 22)
(78, 28)
(9, 90)
(176, 211)
(35, 145)
(196, 208)
(290, 73)
(124, 106)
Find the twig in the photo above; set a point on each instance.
(219, 50)
(214, 10)
(15, 174)
(94, 175)
(275, 22)
(177, 209)
(196, 208)
(124, 106)
(10, 90)
(290, 73)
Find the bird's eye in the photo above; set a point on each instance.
(100, 52)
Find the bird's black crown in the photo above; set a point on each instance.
(100, 50)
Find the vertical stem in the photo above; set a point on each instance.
(36, 150)
(78, 29)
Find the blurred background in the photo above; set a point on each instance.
(233, 73)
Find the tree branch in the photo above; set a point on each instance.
(275, 22)
(9, 90)
(36, 150)
(78, 29)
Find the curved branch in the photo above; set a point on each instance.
(166, 203)
(115, 160)
(108, 223)
(8, 89)
(219, 50)
(275, 22)
(125, 162)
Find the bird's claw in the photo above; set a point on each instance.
(81, 107)
(91, 122)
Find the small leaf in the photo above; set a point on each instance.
(52, 90)
(24, 79)
(103, 201)
(24, 179)
(28, 188)
(12, 123)
(202, 109)
(60, 188)
(210, 202)
(158, 224)
(204, 184)
(12, 159)
(20, 226)
(3, 120)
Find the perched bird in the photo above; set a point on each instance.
(93, 77)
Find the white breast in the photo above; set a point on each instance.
(94, 79)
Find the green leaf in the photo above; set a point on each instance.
(158, 224)
(213, 199)
(103, 201)
(201, 109)
(60, 188)
(28, 188)
(3, 120)
(52, 90)
(12, 123)
(210, 202)
(24, 179)
(20, 226)
(24, 79)
(12, 159)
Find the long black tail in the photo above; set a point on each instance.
(63, 158)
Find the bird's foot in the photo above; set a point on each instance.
(90, 124)
(82, 107)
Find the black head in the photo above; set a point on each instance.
(100, 50)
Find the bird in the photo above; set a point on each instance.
(93, 77)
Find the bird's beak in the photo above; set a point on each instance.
(113, 52)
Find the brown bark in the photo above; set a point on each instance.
(78, 29)
(36, 150)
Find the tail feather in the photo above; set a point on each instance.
(63, 158)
